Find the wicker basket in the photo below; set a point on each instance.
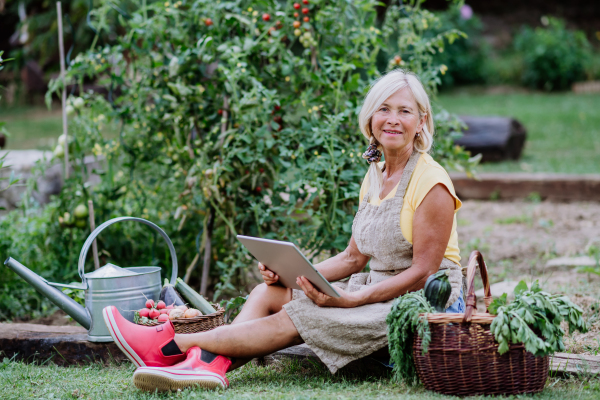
(463, 355)
(196, 324)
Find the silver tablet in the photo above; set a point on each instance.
(287, 261)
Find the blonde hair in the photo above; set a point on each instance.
(380, 91)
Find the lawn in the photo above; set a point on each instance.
(288, 379)
(563, 129)
(32, 127)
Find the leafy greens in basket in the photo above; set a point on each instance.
(533, 311)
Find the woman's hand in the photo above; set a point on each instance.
(268, 276)
(347, 299)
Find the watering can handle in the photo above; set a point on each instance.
(96, 232)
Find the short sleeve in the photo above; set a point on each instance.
(430, 176)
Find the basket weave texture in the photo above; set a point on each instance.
(463, 356)
(196, 324)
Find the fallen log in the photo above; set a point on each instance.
(495, 138)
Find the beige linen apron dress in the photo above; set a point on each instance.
(341, 335)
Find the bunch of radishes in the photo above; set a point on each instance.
(162, 313)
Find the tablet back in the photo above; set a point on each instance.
(287, 261)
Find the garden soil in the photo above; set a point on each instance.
(518, 238)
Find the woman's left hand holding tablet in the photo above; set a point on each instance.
(268, 276)
(346, 299)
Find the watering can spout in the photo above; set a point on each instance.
(61, 300)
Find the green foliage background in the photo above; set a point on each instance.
(228, 126)
(553, 57)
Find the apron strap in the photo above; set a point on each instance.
(407, 174)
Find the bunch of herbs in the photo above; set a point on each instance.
(403, 321)
(534, 319)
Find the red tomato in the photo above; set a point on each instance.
(305, 11)
(296, 6)
(304, 1)
(266, 17)
(208, 22)
(306, 19)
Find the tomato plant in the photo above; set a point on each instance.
(228, 123)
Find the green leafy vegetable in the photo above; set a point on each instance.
(403, 321)
(534, 311)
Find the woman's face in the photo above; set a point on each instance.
(396, 122)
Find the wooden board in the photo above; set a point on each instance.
(64, 345)
(554, 187)
(575, 363)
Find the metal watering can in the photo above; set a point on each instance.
(125, 288)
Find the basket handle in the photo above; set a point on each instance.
(476, 259)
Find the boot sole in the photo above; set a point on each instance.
(161, 380)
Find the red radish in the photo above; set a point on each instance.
(144, 312)
(154, 313)
(160, 305)
(164, 311)
(150, 304)
(163, 318)
(170, 307)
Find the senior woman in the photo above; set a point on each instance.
(405, 226)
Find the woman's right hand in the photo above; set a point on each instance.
(268, 276)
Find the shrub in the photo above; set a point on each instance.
(231, 123)
(553, 57)
(466, 57)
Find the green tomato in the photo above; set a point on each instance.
(59, 151)
(81, 223)
(78, 102)
(68, 219)
(62, 140)
(81, 211)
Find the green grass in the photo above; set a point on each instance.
(32, 127)
(563, 129)
(288, 379)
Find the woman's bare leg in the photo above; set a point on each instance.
(261, 328)
(264, 301)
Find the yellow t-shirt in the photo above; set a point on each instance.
(426, 175)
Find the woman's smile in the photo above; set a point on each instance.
(392, 132)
